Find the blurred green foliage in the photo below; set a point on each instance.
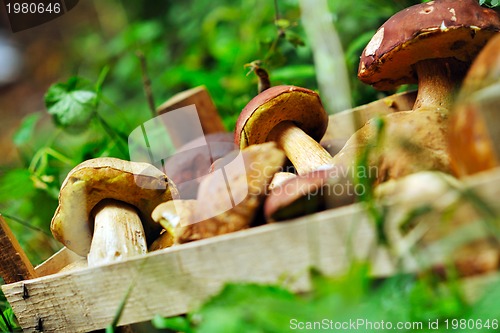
(343, 299)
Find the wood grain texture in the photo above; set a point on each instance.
(343, 124)
(14, 264)
(175, 280)
(61, 259)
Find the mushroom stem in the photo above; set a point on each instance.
(437, 81)
(118, 233)
(303, 151)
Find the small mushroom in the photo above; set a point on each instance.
(432, 43)
(294, 118)
(474, 134)
(105, 207)
(225, 203)
(325, 188)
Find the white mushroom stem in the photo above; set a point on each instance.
(303, 151)
(118, 234)
(437, 80)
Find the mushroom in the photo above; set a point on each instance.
(192, 161)
(432, 43)
(105, 207)
(163, 241)
(474, 133)
(294, 118)
(222, 207)
(327, 187)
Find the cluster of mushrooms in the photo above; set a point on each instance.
(111, 209)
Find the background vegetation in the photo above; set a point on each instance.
(99, 96)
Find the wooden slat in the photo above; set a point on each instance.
(343, 124)
(63, 258)
(210, 119)
(14, 264)
(175, 280)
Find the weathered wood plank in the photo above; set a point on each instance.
(343, 124)
(209, 118)
(14, 264)
(173, 281)
(61, 259)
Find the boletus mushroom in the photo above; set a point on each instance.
(294, 118)
(192, 161)
(474, 135)
(324, 188)
(224, 204)
(105, 207)
(433, 44)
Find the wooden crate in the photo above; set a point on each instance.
(178, 279)
(175, 280)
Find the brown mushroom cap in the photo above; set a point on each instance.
(474, 126)
(329, 187)
(436, 29)
(192, 161)
(138, 184)
(484, 71)
(275, 105)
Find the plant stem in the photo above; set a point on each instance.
(147, 83)
(26, 224)
(329, 59)
(114, 134)
(276, 11)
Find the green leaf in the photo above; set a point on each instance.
(11, 318)
(178, 324)
(26, 129)
(8, 322)
(16, 184)
(293, 72)
(3, 326)
(72, 104)
(249, 308)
